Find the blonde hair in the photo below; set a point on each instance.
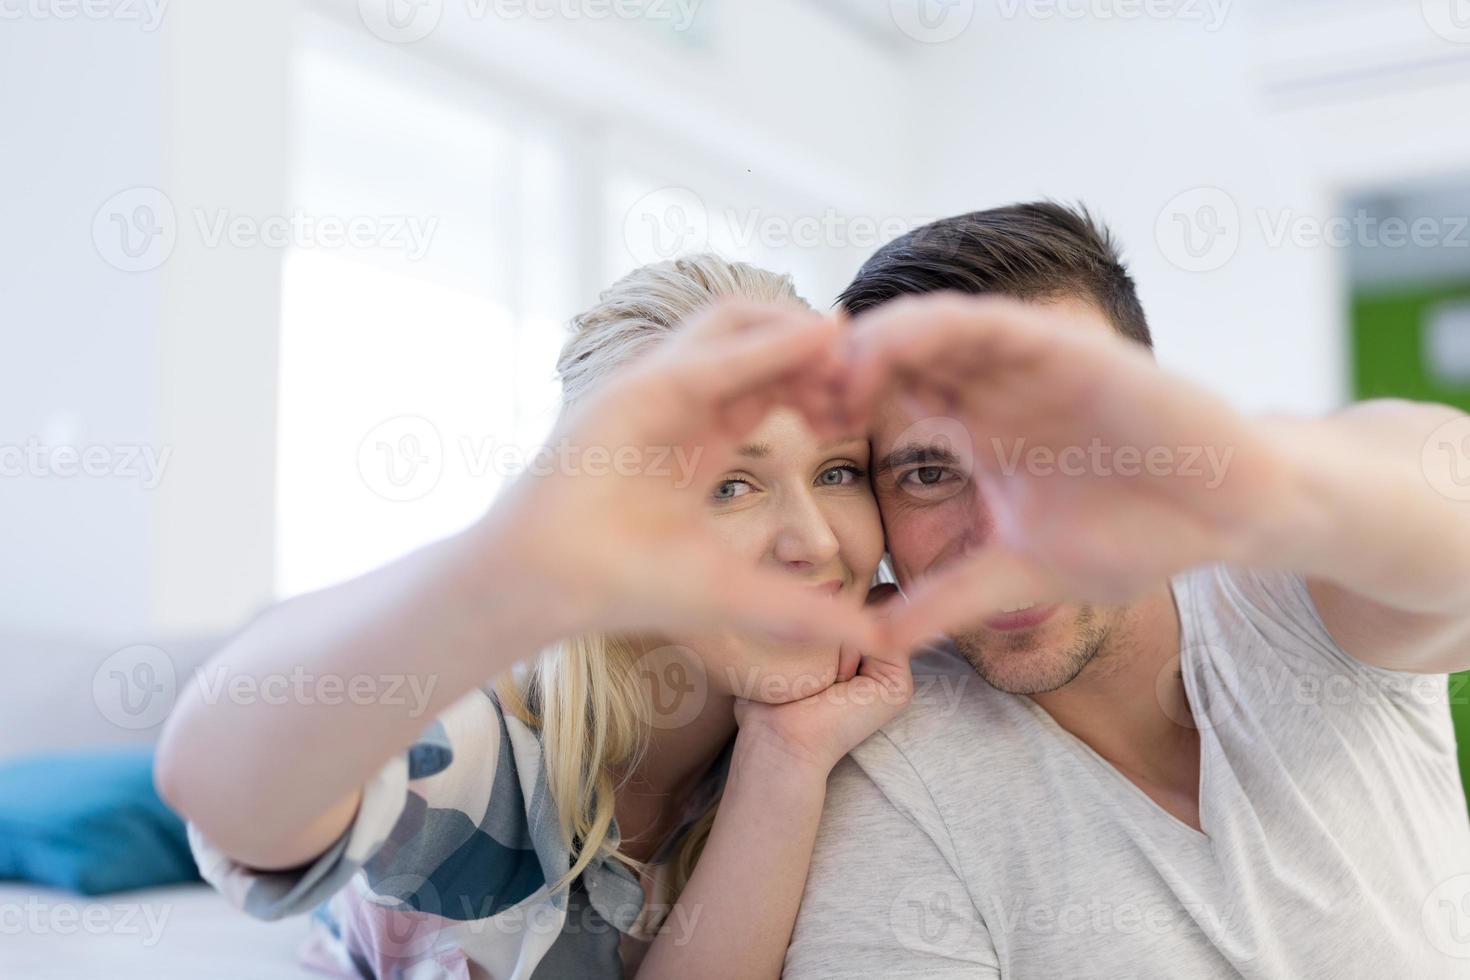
(583, 695)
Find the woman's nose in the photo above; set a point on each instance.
(804, 538)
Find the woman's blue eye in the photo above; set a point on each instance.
(839, 476)
(730, 489)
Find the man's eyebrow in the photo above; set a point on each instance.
(909, 455)
(756, 450)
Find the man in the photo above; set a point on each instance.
(1211, 736)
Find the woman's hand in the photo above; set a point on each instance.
(817, 731)
(748, 883)
(617, 538)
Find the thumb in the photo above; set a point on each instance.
(761, 600)
(882, 594)
(851, 658)
(964, 593)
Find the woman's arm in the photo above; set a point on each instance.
(272, 782)
(734, 918)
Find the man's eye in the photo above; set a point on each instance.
(931, 483)
(730, 489)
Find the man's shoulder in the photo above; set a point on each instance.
(948, 740)
(939, 768)
(950, 698)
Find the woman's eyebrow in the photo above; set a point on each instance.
(845, 440)
(760, 450)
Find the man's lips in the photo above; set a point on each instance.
(1021, 619)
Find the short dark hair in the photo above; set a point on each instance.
(1036, 250)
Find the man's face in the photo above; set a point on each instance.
(933, 514)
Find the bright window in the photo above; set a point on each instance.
(417, 360)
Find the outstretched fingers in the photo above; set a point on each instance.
(719, 594)
(928, 336)
(965, 593)
(712, 384)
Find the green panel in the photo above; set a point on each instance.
(1388, 340)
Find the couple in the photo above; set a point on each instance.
(1209, 734)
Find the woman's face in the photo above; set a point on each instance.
(807, 510)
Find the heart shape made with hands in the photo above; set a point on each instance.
(1021, 391)
(1100, 473)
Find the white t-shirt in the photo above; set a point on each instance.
(975, 837)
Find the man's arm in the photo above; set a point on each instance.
(1380, 528)
(882, 899)
(1371, 505)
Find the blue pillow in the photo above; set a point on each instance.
(90, 823)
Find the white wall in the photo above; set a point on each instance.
(227, 95)
(178, 358)
(784, 99)
(1128, 114)
(805, 109)
(82, 118)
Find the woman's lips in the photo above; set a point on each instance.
(1021, 619)
(829, 588)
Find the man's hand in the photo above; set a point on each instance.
(1103, 473)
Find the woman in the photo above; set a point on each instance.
(643, 798)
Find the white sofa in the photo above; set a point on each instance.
(184, 932)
